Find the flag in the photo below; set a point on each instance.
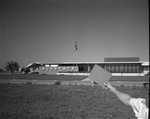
(75, 46)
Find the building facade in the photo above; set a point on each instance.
(117, 66)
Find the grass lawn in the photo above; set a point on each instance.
(30, 101)
(41, 77)
(70, 77)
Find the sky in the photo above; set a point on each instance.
(46, 30)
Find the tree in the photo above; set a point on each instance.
(12, 66)
(22, 69)
(1, 70)
(26, 71)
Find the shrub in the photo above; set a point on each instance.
(29, 82)
(57, 83)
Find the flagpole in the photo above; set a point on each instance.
(75, 50)
(76, 64)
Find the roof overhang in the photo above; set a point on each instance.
(145, 64)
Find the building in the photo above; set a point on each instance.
(122, 66)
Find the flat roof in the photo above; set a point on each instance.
(144, 63)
